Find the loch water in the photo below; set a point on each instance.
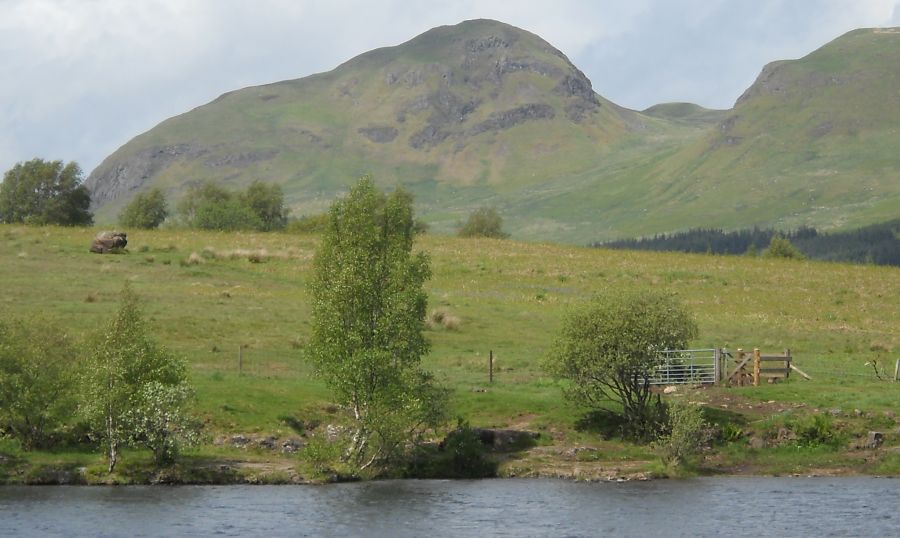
(726, 506)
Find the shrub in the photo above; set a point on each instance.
(608, 350)
(780, 247)
(685, 435)
(460, 455)
(37, 388)
(483, 222)
(147, 210)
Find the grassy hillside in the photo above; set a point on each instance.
(459, 114)
(482, 113)
(812, 141)
(509, 298)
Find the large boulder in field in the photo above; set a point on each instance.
(109, 241)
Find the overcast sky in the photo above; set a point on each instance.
(82, 77)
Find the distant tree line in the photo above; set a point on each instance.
(878, 244)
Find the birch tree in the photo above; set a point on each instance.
(134, 389)
(368, 316)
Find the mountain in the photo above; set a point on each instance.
(813, 141)
(483, 113)
(459, 112)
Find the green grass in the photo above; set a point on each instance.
(510, 298)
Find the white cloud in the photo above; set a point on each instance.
(83, 76)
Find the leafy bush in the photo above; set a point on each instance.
(460, 455)
(608, 350)
(483, 222)
(37, 388)
(816, 430)
(686, 433)
(780, 247)
(147, 210)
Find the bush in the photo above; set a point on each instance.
(483, 222)
(608, 350)
(37, 389)
(460, 455)
(780, 247)
(147, 210)
(685, 435)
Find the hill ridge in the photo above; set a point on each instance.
(483, 113)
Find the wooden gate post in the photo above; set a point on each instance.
(756, 356)
(717, 357)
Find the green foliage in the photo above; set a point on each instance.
(146, 210)
(308, 224)
(37, 389)
(607, 350)
(267, 203)
(134, 389)
(210, 207)
(159, 420)
(460, 455)
(816, 430)
(368, 315)
(45, 192)
(685, 433)
(483, 222)
(780, 247)
(226, 216)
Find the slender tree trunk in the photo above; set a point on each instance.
(113, 444)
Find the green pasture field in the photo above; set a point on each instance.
(236, 306)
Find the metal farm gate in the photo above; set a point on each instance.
(689, 367)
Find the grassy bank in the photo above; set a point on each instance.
(236, 306)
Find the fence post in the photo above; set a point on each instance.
(897, 371)
(491, 366)
(717, 357)
(787, 362)
(756, 366)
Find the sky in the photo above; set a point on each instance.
(82, 77)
